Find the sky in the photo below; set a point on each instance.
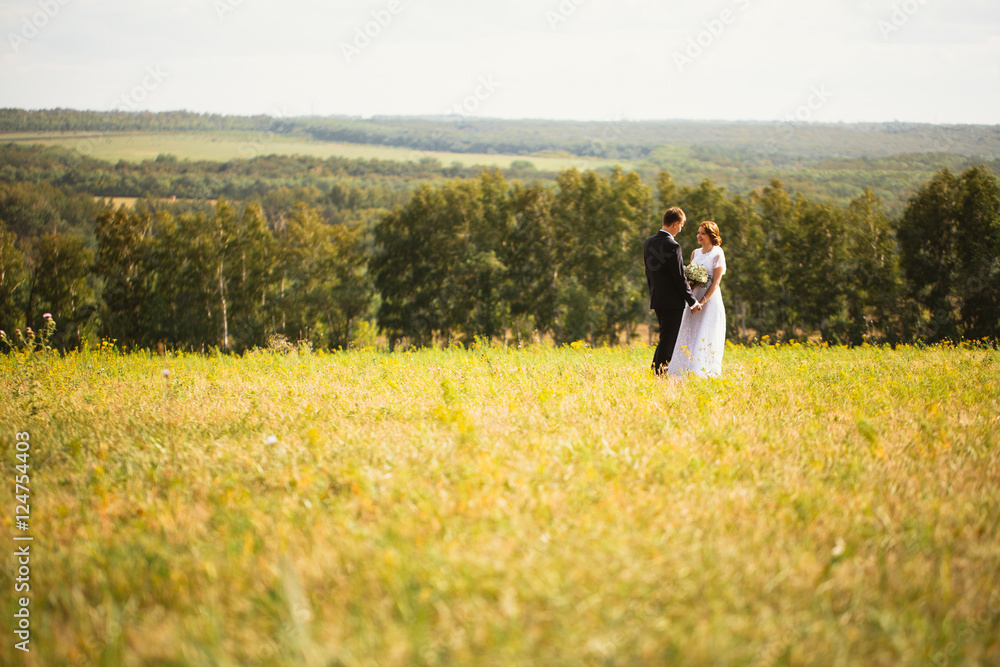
(926, 61)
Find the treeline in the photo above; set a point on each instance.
(72, 120)
(479, 258)
(835, 162)
(613, 138)
(166, 175)
(621, 139)
(380, 182)
(226, 279)
(485, 257)
(45, 189)
(893, 178)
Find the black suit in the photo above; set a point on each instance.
(669, 291)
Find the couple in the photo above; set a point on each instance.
(691, 341)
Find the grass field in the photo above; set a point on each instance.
(223, 146)
(539, 506)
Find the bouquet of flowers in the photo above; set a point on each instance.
(696, 274)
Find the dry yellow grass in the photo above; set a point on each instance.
(543, 506)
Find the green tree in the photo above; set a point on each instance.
(874, 312)
(599, 226)
(816, 248)
(747, 277)
(705, 202)
(479, 274)
(123, 266)
(666, 191)
(625, 296)
(773, 241)
(407, 269)
(186, 299)
(323, 287)
(950, 239)
(250, 276)
(437, 262)
(979, 254)
(60, 285)
(527, 253)
(13, 278)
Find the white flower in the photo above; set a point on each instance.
(838, 548)
(271, 440)
(166, 372)
(696, 273)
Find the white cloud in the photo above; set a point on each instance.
(603, 59)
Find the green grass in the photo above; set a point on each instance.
(224, 146)
(544, 506)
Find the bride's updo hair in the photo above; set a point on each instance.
(712, 230)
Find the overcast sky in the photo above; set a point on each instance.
(931, 61)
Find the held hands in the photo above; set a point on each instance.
(696, 307)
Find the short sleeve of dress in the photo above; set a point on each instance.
(720, 260)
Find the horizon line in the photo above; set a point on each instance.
(437, 117)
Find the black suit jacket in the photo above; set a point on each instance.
(668, 289)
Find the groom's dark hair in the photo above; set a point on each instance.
(673, 215)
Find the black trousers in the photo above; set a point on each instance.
(670, 325)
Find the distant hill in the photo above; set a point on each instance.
(617, 139)
(835, 161)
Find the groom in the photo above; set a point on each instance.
(668, 289)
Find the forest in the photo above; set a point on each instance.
(341, 252)
(824, 161)
(616, 138)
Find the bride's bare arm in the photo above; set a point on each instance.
(716, 279)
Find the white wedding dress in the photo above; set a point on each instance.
(702, 337)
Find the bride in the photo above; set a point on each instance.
(702, 337)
